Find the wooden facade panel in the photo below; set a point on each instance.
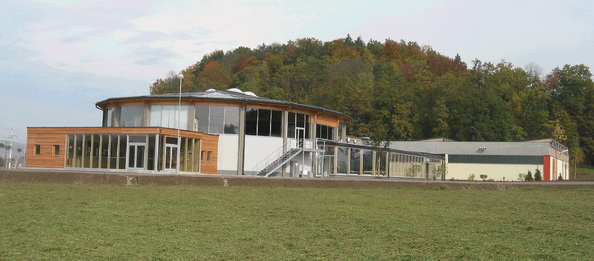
(46, 142)
(210, 143)
(95, 130)
(327, 120)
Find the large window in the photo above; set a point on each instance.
(342, 160)
(355, 161)
(298, 121)
(251, 121)
(276, 123)
(367, 161)
(262, 122)
(341, 127)
(324, 132)
(231, 125)
(217, 119)
(117, 151)
(166, 116)
(201, 117)
(132, 116)
(109, 119)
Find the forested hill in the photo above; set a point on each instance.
(404, 91)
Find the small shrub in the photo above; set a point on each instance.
(537, 175)
(483, 177)
(529, 176)
(435, 173)
(413, 171)
(471, 177)
(521, 176)
(559, 178)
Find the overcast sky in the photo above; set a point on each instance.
(59, 57)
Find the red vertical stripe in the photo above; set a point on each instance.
(547, 168)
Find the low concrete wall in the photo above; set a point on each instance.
(72, 177)
(584, 177)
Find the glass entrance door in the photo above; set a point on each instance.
(170, 155)
(135, 155)
(325, 165)
(300, 135)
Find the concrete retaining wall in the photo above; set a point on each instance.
(72, 177)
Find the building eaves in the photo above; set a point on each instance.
(222, 96)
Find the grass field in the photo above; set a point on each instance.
(55, 221)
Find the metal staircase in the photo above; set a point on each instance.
(279, 162)
(277, 159)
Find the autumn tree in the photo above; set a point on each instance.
(213, 76)
(399, 90)
(170, 84)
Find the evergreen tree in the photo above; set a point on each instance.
(528, 176)
(537, 175)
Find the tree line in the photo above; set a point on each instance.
(405, 91)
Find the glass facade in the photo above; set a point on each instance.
(263, 122)
(367, 161)
(136, 152)
(217, 119)
(324, 132)
(132, 116)
(341, 160)
(166, 116)
(298, 121)
(356, 160)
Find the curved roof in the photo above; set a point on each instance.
(215, 95)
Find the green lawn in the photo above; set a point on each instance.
(55, 221)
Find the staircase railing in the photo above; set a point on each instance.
(275, 156)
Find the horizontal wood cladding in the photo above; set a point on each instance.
(97, 130)
(46, 143)
(210, 144)
(327, 120)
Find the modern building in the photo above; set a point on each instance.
(238, 133)
(220, 132)
(498, 160)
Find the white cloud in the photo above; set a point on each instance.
(71, 53)
(517, 31)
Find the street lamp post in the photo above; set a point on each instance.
(181, 78)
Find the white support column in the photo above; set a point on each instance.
(241, 142)
(285, 135)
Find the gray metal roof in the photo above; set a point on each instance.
(228, 95)
(536, 148)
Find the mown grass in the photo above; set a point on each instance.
(55, 221)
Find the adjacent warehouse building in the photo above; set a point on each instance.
(497, 160)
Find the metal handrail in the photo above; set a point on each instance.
(276, 154)
(282, 151)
